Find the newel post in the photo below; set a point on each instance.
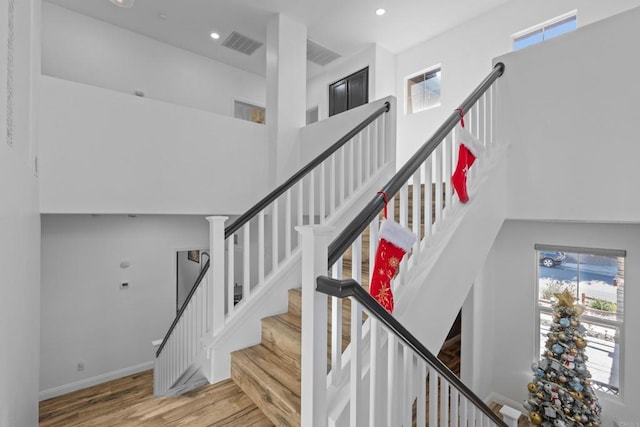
(215, 278)
(314, 243)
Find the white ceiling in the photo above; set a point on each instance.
(344, 26)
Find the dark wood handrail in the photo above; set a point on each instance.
(351, 288)
(269, 198)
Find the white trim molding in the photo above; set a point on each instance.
(98, 379)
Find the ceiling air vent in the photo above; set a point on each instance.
(320, 54)
(240, 43)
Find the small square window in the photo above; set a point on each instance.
(423, 90)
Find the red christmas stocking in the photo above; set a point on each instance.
(395, 241)
(470, 148)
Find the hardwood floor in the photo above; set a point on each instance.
(129, 401)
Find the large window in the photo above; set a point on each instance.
(596, 278)
(544, 31)
(423, 90)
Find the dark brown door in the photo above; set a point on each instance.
(349, 92)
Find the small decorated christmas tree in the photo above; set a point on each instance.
(560, 393)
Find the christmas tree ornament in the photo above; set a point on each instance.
(535, 418)
(395, 242)
(470, 148)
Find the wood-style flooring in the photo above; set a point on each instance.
(129, 401)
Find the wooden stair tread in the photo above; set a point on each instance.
(255, 377)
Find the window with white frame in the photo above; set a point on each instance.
(423, 90)
(544, 31)
(596, 279)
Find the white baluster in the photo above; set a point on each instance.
(433, 397)
(323, 195)
(374, 383)
(352, 166)
(261, 249)
(246, 260)
(416, 210)
(448, 156)
(231, 277)
(366, 140)
(332, 185)
(428, 199)
(392, 357)
(454, 405)
(356, 361)
(216, 271)
(288, 226)
(391, 207)
(274, 236)
(342, 180)
(312, 197)
(408, 385)
(444, 401)
(336, 340)
(358, 160)
(421, 410)
(315, 241)
(375, 144)
(439, 179)
(464, 404)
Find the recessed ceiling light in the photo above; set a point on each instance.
(380, 12)
(123, 3)
(215, 36)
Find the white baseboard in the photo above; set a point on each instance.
(498, 398)
(98, 379)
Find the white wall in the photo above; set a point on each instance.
(106, 152)
(569, 111)
(465, 54)
(19, 222)
(85, 315)
(83, 49)
(506, 334)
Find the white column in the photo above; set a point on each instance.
(286, 94)
(215, 277)
(315, 242)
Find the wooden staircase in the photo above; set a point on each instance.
(269, 373)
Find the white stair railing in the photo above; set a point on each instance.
(371, 377)
(258, 245)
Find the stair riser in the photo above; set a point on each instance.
(295, 302)
(273, 399)
(281, 339)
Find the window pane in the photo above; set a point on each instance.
(561, 27)
(602, 350)
(423, 91)
(528, 40)
(597, 282)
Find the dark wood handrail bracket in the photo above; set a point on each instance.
(269, 198)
